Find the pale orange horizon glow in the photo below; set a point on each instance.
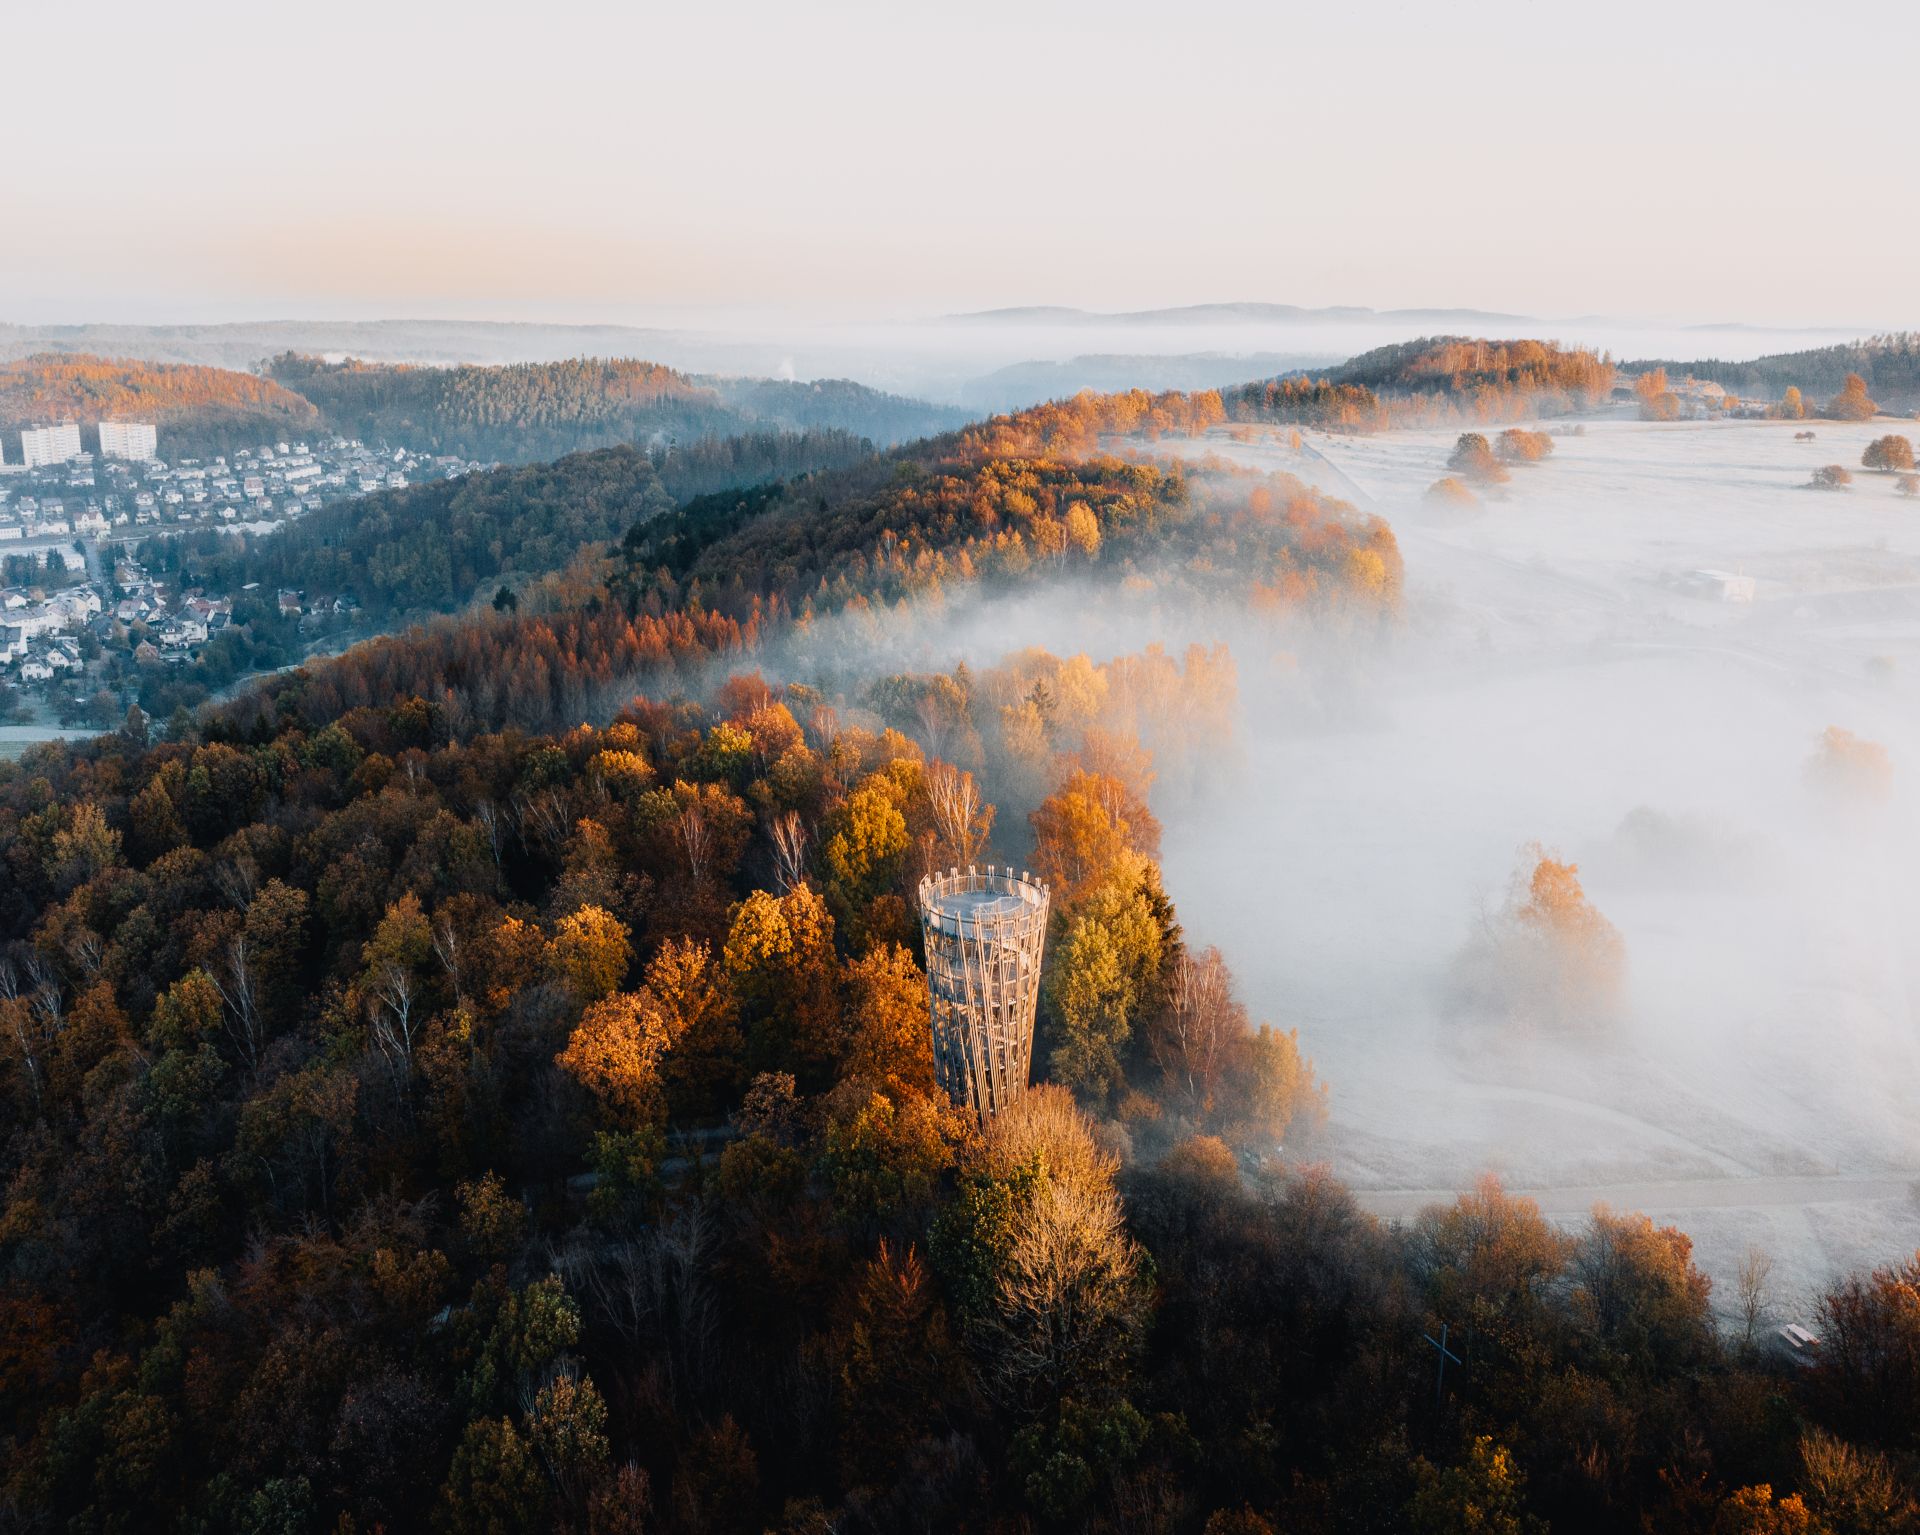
(600, 161)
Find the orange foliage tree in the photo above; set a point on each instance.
(1850, 767)
(615, 1052)
(1548, 956)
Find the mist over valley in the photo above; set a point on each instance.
(851, 769)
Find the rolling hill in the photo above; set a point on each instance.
(526, 412)
(206, 409)
(511, 413)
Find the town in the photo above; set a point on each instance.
(82, 622)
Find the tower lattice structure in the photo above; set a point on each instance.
(984, 933)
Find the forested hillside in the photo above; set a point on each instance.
(1448, 377)
(1014, 501)
(1004, 503)
(521, 413)
(1889, 364)
(518, 413)
(529, 411)
(432, 548)
(1306, 402)
(436, 547)
(837, 404)
(1435, 379)
(201, 410)
(481, 1083)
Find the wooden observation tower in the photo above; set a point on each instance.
(984, 933)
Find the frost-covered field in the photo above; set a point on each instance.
(15, 739)
(1562, 666)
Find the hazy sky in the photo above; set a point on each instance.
(577, 160)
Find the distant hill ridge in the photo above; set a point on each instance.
(240, 344)
(1460, 365)
(524, 412)
(512, 413)
(1232, 313)
(1027, 383)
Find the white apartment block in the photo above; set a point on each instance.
(129, 439)
(50, 444)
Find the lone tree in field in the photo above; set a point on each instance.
(1845, 766)
(1852, 403)
(1548, 957)
(1791, 407)
(1831, 477)
(1752, 1295)
(1516, 445)
(1889, 453)
(1451, 490)
(1473, 456)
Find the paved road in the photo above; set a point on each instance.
(1665, 1197)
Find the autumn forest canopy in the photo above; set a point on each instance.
(480, 1082)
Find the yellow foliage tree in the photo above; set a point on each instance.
(779, 952)
(589, 953)
(1853, 403)
(624, 772)
(615, 1052)
(1657, 402)
(1591, 946)
(1083, 530)
(1081, 831)
(883, 1155)
(887, 1028)
(867, 842)
(1548, 956)
(696, 1010)
(1105, 970)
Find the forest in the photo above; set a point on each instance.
(1427, 382)
(525, 412)
(1445, 378)
(1888, 365)
(835, 404)
(480, 1083)
(1306, 402)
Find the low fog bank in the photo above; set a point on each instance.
(1567, 675)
